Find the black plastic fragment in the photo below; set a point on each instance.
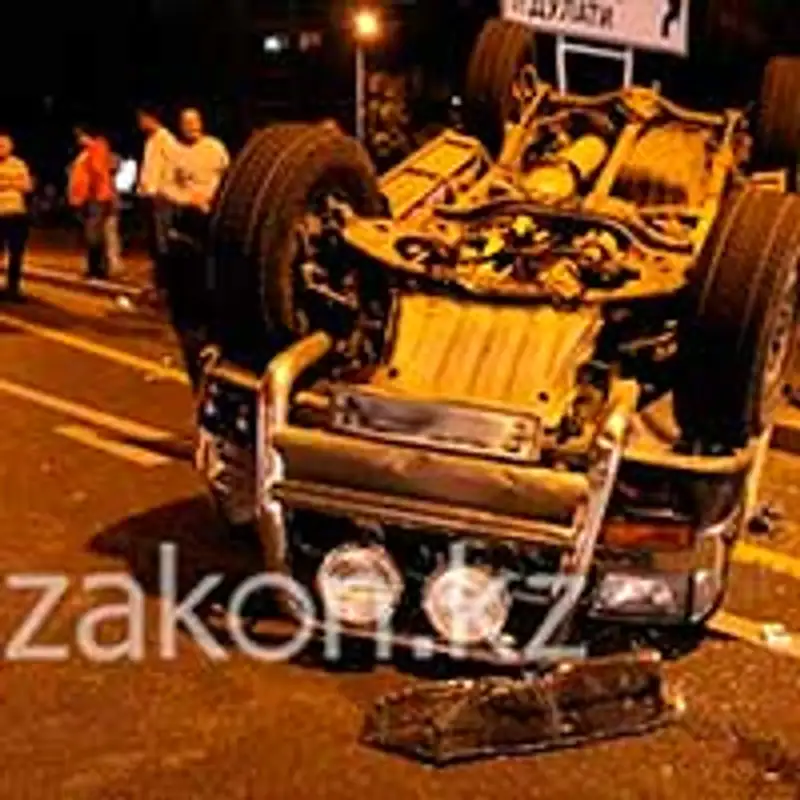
(576, 704)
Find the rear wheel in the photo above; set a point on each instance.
(779, 118)
(280, 267)
(501, 78)
(736, 340)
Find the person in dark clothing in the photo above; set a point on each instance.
(15, 186)
(193, 179)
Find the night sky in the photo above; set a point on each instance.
(93, 60)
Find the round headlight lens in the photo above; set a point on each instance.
(359, 586)
(467, 605)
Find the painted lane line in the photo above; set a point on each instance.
(85, 414)
(121, 357)
(754, 633)
(752, 555)
(129, 452)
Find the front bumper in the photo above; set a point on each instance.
(637, 587)
(304, 513)
(306, 521)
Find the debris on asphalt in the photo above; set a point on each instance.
(125, 303)
(574, 705)
(765, 519)
(775, 635)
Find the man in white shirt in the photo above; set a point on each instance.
(160, 151)
(158, 165)
(199, 166)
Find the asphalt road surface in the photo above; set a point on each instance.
(96, 473)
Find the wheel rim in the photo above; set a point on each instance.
(523, 91)
(329, 291)
(780, 343)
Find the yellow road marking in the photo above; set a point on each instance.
(753, 555)
(125, 427)
(94, 348)
(752, 632)
(130, 452)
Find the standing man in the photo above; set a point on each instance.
(92, 193)
(200, 164)
(158, 166)
(15, 185)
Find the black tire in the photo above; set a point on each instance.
(779, 118)
(735, 342)
(239, 323)
(500, 54)
(253, 232)
(249, 170)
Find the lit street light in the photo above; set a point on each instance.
(367, 25)
(367, 29)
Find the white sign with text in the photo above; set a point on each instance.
(644, 24)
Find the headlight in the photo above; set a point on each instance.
(630, 595)
(359, 586)
(467, 605)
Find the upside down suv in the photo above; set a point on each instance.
(551, 345)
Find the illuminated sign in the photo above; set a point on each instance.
(645, 24)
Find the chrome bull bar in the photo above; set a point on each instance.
(606, 457)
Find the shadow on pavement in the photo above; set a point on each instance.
(202, 543)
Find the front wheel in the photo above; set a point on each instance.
(501, 79)
(736, 339)
(280, 268)
(778, 130)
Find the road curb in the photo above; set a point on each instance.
(77, 282)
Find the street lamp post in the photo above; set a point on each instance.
(361, 93)
(366, 30)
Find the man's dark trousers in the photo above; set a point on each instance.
(13, 240)
(94, 231)
(185, 280)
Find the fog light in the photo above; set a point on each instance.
(467, 605)
(628, 595)
(359, 586)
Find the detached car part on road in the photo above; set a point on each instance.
(552, 346)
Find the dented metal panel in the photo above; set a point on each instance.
(335, 460)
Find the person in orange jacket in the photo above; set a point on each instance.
(92, 194)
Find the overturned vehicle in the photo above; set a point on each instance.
(532, 368)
